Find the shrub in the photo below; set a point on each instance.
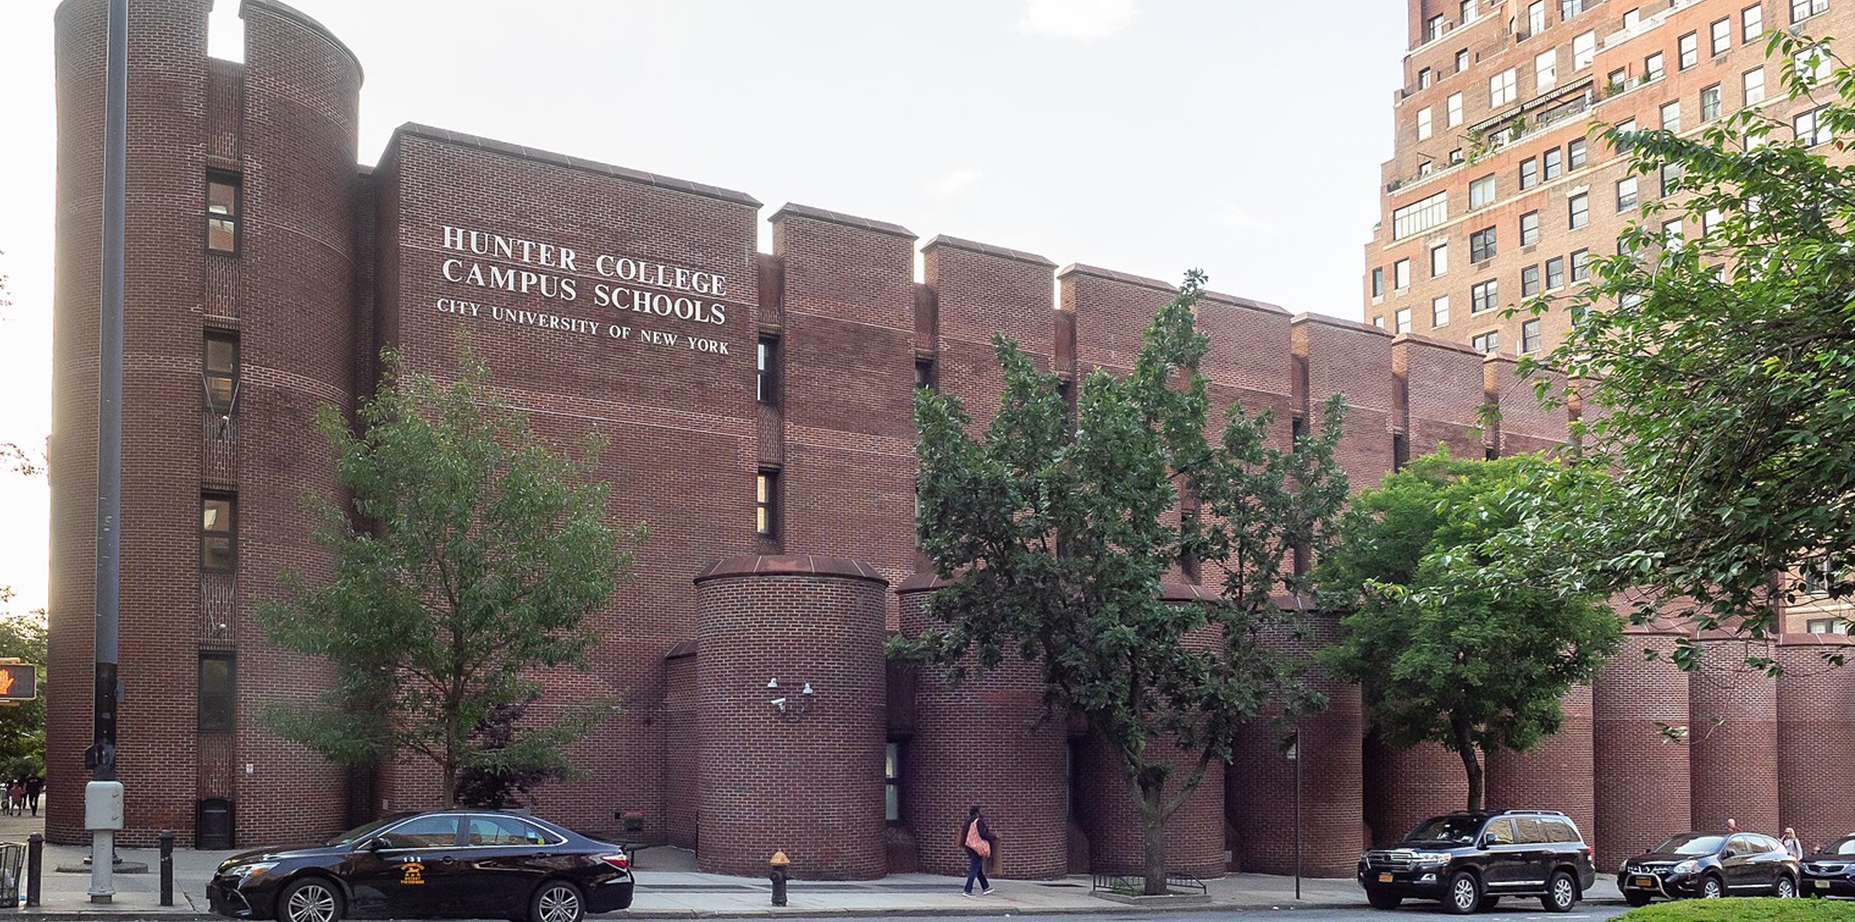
(1743, 910)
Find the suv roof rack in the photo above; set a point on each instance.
(1542, 812)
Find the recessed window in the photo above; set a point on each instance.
(1420, 216)
(1423, 124)
(1536, 17)
(1481, 192)
(1439, 259)
(1529, 335)
(892, 783)
(1378, 282)
(1574, 154)
(1433, 28)
(1401, 274)
(1529, 281)
(1626, 193)
(1546, 70)
(1570, 8)
(1579, 208)
(222, 212)
(924, 374)
(1581, 265)
(1439, 312)
(1584, 50)
(1810, 128)
(218, 533)
(219, 375)
(1688, 47)
(1486, 342)
(766, 503)
(218, 701)
(1710, 103)
(1481, 245)
(766, 371)
(1752, 22)
(1529, 173)
(1462, 64)
(1671, 116)
(1483, 296)
(1401, 320)
(1754, 81)
(1632, 19)
(1674, 234)
(1804, 9)
(1652, 67)
(1720, 36)
(1529, 228)
(1554, 161)
(1379, 321)
(1423, 79)
(1670, 175)
(1501, 88)
(1555, 272)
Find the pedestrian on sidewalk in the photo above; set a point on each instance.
(976, 838)
(1732, 825)
(35, 786)
(16, 797)
(1792, 846)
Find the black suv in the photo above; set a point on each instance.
(1470, 860)
(1831, 871)
(1709, 865)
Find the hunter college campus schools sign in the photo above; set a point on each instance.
(623, 290)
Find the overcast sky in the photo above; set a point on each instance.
(1149, 136)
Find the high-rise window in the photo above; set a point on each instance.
(1483, 296)
(1433, 28)
(1555, 163)
(1652, 68)
(766, 371)
(1439, 311)
(218, 701)
(1467, 11)
(1752, 22)
(1529, 335)
(1439, 259)
(1574, 154)
(1579, 210)
(1420, 216)
(1584, 50)
(1378, 282)
(1581, 265)
(1486, 342)
(1754, 81)
(218, 532)
(1529, 173)
(1501, 88)
(1536, 17)
(924, 374)
(1401, 274)
(1529, 281)
(1555, 272)
(1481, 192)
(1670, 175)
(1804, 9)
(1626, 193)
(1570, 8)
(219, 372)
(1674, 234)
(1688, 47)
(1481, 245)
(1546, 70)
(1814, 65)
(1462, 60)
(1810, 128)
(1453, 109)
(1401, 320)
(1423, 124)
(1710, 103)
(1529, 228)
(1423, 79)
(1720, 36)
(1632, 19)
(766, 503)
(223, 194)
(1671, 116)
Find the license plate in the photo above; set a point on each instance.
(1645, 882)
(1386, 878)
(1821, 884)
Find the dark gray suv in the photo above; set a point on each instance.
(1469, 861)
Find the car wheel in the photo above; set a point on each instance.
(557, 901)
(310, 899)
(1561, 893)
(1636, 899)
(1712, 889)
(1382, 900)
(1785, 888)
(1464, 894)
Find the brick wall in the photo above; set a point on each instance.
(1405, 786)
(1633, 700)
(1816, 735)
(1557, 774)
(1733, 740)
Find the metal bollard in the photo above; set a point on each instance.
(35, 867)
(778, 863)
(167, 867)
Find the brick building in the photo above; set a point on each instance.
(757, 409)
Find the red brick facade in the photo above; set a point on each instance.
(540, 261)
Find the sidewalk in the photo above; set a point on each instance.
(670, 887)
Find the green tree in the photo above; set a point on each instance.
(1055, 547)
(1453, 637)
(1722, 349)
(477, 562)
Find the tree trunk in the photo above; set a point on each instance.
(449, 789)
(1471, 764)
(1153, 820)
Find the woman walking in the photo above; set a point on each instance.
(977, 840)
(1792, 845)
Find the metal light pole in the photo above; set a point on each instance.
(103, 795)
(1294, 755)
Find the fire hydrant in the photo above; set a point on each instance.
(779, 862)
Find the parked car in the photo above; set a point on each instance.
(1831, 871)
(444, 864)
(1469, 861)
(1710, 865)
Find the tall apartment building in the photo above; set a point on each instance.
(1497, 191)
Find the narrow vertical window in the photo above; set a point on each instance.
(219, 373)
(1400, 451)
(766, 503)
(766, 371)
(218, 533)
(1439, 311)
(1529, 335)
(924, 374)
(222, 212)
(1378, 283)
(218, 701)
(1188, 560)
(1575, 154)
(892, 783)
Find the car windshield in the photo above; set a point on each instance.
(1458, 829)
(1841, 847)
(361, 832)
(1692, 844)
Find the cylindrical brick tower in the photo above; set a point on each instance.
(1733, 739)
(1816, 733)
(783, 770)
(1404, 787)
(1555, 776)
(978, 742)
(1632, 701)
(1259, 787)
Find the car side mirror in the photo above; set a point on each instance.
(372, 845)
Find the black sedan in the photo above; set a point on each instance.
(1831, 871)
(448, 864)
(1710, 865)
